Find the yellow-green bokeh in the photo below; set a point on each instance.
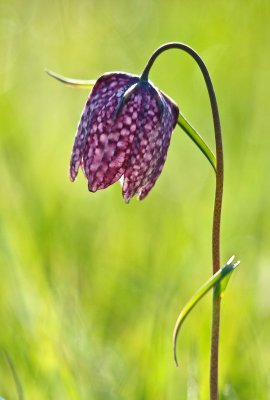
(90, 288)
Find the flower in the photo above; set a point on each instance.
(124, 134)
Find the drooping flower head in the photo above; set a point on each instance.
(124, 134)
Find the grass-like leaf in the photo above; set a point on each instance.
(17, 381)
(197, 139)
(219, 281)
(85, 84)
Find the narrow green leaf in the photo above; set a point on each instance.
(85, 84)
(15, 376)
(214, 281)
(197, 139)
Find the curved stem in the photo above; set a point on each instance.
(217, 203)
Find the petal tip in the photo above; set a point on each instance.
(72, 176)
(126, 197)
(92, 187)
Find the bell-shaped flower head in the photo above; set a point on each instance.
(124, 133)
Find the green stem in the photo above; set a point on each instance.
(217, 203)
(197, 139)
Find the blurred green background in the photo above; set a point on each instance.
(90, 288)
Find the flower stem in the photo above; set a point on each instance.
(217, 203)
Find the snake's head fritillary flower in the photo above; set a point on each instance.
(124, 134)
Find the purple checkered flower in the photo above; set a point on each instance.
(124, 134)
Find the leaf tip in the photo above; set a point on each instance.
(230, 260)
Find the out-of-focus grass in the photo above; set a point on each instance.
(90, 288)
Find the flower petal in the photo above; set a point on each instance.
(168, 122)
(109, 164)
(150, 145)
(96, 118)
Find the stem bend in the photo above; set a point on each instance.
(218, 197)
